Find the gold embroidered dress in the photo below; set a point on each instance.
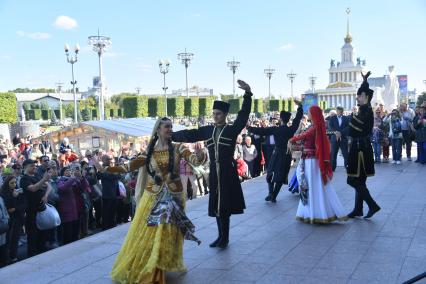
(149, 251)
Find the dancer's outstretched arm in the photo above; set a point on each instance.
(244, 114)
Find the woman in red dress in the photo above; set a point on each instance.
(319, 202)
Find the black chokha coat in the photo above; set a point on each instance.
(226, 195)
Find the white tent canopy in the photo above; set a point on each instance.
(136, 127)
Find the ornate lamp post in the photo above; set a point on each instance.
(291, 76)
(312, 80)
(233, 66)
(268, 72)
(71, 60)
(100, 44)
(164, 69)
(59, 86)
(185, 58)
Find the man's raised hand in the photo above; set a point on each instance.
(243, 85)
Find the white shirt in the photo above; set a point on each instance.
(339, 119)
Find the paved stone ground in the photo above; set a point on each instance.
(269, 246)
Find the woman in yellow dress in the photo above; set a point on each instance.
(154, 242)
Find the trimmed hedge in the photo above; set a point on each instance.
(289, 105)
(46, 114)
(257, 106)
(205, 106)
(135, 106)
(323, 105)
(33, 114)
(8, 105)
(175, 107)
(94, 113)
(156, 107)
(192, 107)
(275, 105)
(235, 105)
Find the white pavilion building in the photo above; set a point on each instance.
(344, 77)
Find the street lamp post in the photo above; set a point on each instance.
(312, 80)
(233, 66)
(185, 58)
(59, 90)
(100, 44)
(73, 59)
(291, 76)
(269, 71)
(164, 69)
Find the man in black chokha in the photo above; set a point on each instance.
(226, 196)
(361, 157)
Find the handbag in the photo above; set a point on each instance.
(48, 218)
(303, 183)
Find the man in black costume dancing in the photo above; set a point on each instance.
(226, 195)
(280, 162)
(361, 157)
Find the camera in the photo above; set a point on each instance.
(19, 190)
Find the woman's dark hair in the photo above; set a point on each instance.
(5, 185)
(151, 146)
(63, 170)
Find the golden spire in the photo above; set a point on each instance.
(348, 38)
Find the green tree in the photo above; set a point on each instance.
(68, 110)
(27, 90)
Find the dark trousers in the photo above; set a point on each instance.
(223, 228)
(70, 231)
(3, 255)
(342, 144)
(123, 211)
(361, 193)
(406, 136)
(386, 151)
(108, 213)
(35, 238)
(250, 165)
(274, 188)
(97, 218)
(16, 223)
(397, 149)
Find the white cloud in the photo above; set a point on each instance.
(36, 35)
(287, 46)
(197, 15)
(65, 23)
(113, 54)
(4, 57)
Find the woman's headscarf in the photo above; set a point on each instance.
(322, 143)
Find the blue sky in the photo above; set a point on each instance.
(288, 35)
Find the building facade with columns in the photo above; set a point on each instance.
(344, 77)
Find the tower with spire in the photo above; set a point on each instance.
(344, 75)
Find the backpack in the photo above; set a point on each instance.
(396, 126)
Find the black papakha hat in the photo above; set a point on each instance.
(365, 87)
(221, 105)
(285, 116)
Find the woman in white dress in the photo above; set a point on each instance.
(319, 202)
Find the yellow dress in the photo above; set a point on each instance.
(149, 251)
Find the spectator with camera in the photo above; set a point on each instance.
(395, 134)
(35, 192)
(15, 203)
